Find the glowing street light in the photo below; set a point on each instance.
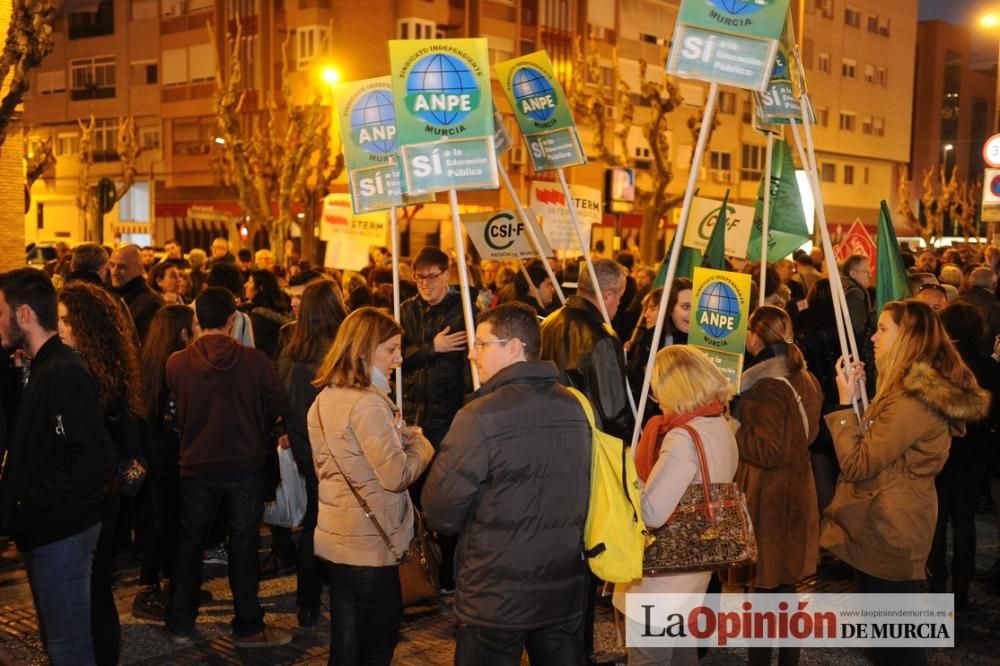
(330, 75)
(989, 21)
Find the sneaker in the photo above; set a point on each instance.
(149, 605)
(267, 637)
(308, 617)
(216, 555)
(180, 640)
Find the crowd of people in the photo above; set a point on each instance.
(145, 402)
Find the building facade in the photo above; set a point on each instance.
(153, 60)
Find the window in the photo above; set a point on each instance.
(882, 76)
(866, 125)
(753, 164)
(67, 143)
(748, 111)
(414, 28)
(92, 78)
(848, 174)
(828, 172)
(149, 138)
(99, 22)
(105, 140)
(50, 83)
(869, 74)
(825, 8)
(852, 17)
(311, 42)
(878, 126)
(883, 26)
(822, 116)
(727, 103)
(181, 66)
(873, 24)
(648, 38)
(849, 68)
(867, 175)
(823, 62)
(194, 136)
(848, 121)
(143, 73)
(721, 164)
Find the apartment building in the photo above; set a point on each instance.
(153, 59)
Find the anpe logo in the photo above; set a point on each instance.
(442, 90)
(373, 123)
(739, 8)
(534, 93)
(718, 309)
(500, 228)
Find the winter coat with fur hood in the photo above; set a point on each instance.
(882, 517)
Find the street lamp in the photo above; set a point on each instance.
(991, 21)
(945, 149)
(330, 76)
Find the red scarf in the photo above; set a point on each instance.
(648, 449)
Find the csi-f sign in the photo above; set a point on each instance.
(502, 235)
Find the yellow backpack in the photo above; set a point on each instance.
(614, 535)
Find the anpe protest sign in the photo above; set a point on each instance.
(701, 221)
(444, 114)
(549, 203)
(542, 111)
(501, 235)
(350, 239)
(732, 42)
(721, 301)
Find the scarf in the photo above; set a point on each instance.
(379, 380)
(648, 449)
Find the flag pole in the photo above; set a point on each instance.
(523, 216)
(675, 251)
(394, 244)
(845, 334)
(766, 219)
(463, 281)
(584, 247)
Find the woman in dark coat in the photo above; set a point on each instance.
(269, 309)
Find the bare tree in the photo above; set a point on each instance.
(942, 197)
(591, 96)
(87, 194)
(29, 40)
(38, 159)
(273, 158)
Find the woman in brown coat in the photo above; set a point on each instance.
(778, 411)
(882, 517)
(358, 442)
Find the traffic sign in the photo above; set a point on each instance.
(991, 195)
(991, 151)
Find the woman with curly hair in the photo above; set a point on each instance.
(91, 322)
(172, 330)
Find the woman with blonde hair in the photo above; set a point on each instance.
(882, 517)
(778, 411)
(692, 392)
(365, 459)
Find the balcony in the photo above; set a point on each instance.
(188, 92)
(93, 24)
(92, 92)
(185, 22)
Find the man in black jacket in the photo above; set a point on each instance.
(129, 282)
(575, 338)
(513, 477)
(58, 467)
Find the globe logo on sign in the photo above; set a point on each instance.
(995, 186)
(373, 121)
(718, 310)
(739, 7)
(780, 66)
(443, 89)
(534, 94)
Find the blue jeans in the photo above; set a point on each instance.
(242, 502)
(59, 576)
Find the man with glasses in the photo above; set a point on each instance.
(513, 477)
(436, 375)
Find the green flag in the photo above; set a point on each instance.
(689, 258)
(891, 283)
(787, 229)
(715, 251)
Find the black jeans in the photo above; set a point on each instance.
(309, 568)
(554, 645)
(867, 584)
(958, 489)
(159, 515)
(242, 502)
(105, 625)
(366, 609)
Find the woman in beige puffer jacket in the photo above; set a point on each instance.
(358, 440)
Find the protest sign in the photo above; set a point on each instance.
(549, 203)
(721, 301)
(501, 235)
(701, 222)
(350, 239)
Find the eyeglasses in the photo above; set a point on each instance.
(928, 286)
(479, 344)
(430, 277)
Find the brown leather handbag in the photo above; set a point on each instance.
(710, 528)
